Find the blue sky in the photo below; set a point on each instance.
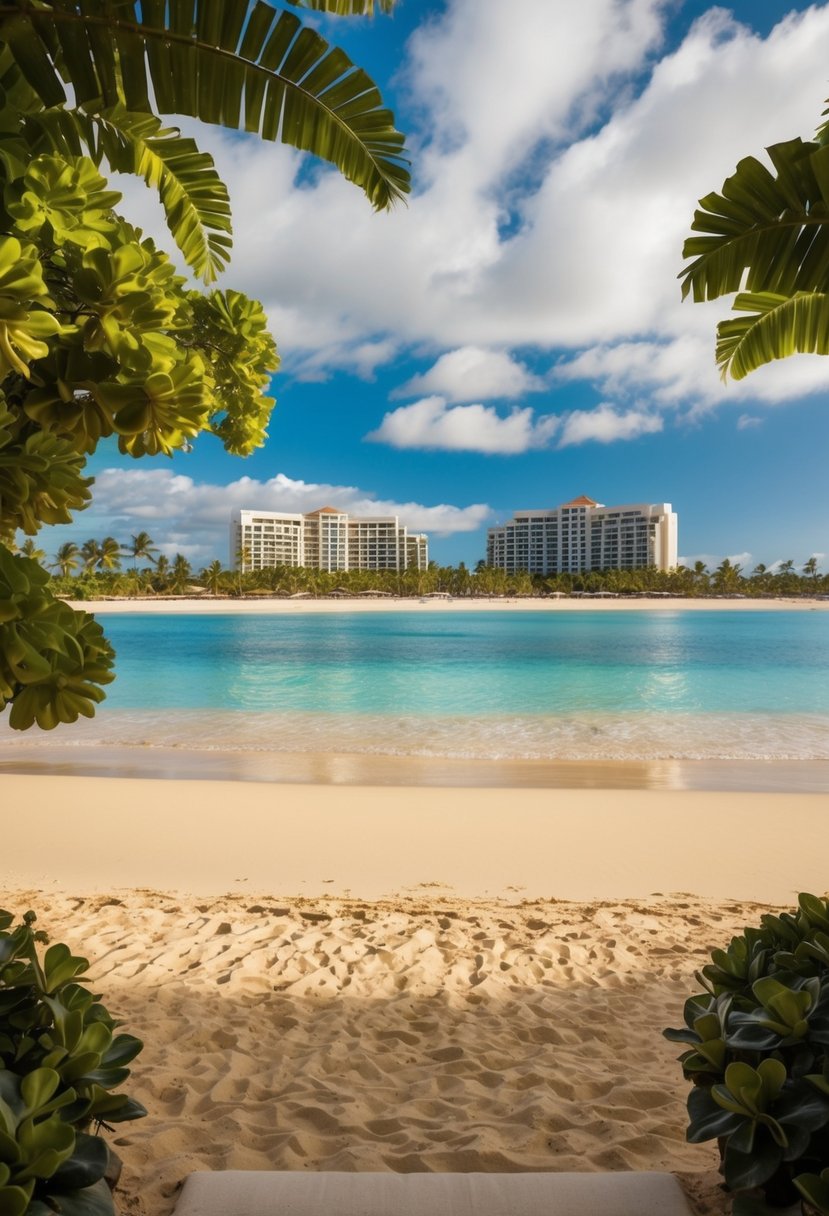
(513, 337)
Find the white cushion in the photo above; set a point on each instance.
(295, 1193)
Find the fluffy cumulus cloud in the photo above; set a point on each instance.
(433, 423)
(198, 514)
(472, 373)
(607, 425)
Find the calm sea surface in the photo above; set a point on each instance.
(580, 685)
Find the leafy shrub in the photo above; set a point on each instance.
(59, 1065)
(758, 1057)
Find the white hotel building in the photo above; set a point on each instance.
(326, 539)
(584, 535)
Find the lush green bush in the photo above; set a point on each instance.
(60, 1062)
(758, 1057)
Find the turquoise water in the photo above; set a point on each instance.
(500, 684)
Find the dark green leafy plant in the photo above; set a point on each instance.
(60, 1063)
(758, 1056)
(99, 336)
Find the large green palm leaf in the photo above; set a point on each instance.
(251, 67)
(346, 8)
(775, 226)
(767, 232)
(774, 327)
(194, 198)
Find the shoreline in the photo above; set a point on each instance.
(212, 837)
(154, 763)
(351, 977)
(280, 606)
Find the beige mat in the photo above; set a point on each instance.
(293, 1193)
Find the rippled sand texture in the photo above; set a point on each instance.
(419, 1034)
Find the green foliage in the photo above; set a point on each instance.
(253, 67)
(815, 1189)
(53, 661)
(767, 231)
(60, 1062)
(758, 1055)
(99, 336)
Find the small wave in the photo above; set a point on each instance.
(528, 737)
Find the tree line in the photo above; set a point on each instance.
(95, 569)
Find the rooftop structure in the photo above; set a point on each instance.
(325, 539)
(585, 535)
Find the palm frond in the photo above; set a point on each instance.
(775, 326)
(347, 8)
(251, 67)
(771, 228)
(822, 133)
(194, 198)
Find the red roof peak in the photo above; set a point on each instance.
(582, 501)
(325, 511)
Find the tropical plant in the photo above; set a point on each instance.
(180, 574)
(91, 555)
(727, 575)
(109, 554)
(60, 1063)
(99, 336)
(29, 549)
(66, 559)
(767, 231)
(758, 1056)
(141, 546)
(212, 577)
(810, 569)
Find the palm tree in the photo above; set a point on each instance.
(141, 546)
(213, 577)
(267, 73)
(180, 574)
(91, 554)
(162, 571)
(109, 554)
(771, 231)
(66, 559)
(29, 549)
(810, 569)
(701, 577)
(760, 575)
(727, 576)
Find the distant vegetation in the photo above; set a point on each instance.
(93, 569)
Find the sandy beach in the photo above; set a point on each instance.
(362, 978)
(257, 604)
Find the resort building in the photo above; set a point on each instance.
(326, 539)
(584, 535)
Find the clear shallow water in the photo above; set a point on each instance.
(626, 685)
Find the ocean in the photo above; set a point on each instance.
(494, 685)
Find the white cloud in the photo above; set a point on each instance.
(193, 518)
(432, 423)
(472, 373)
(528, 228)
(680, 371)
(607, 425)
(745, 421)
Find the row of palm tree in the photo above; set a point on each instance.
(176, 577)
(95, 555)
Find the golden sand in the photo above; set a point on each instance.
(368, 978)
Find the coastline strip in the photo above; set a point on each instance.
(44, 758)
(213, 837)
(258, 605)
